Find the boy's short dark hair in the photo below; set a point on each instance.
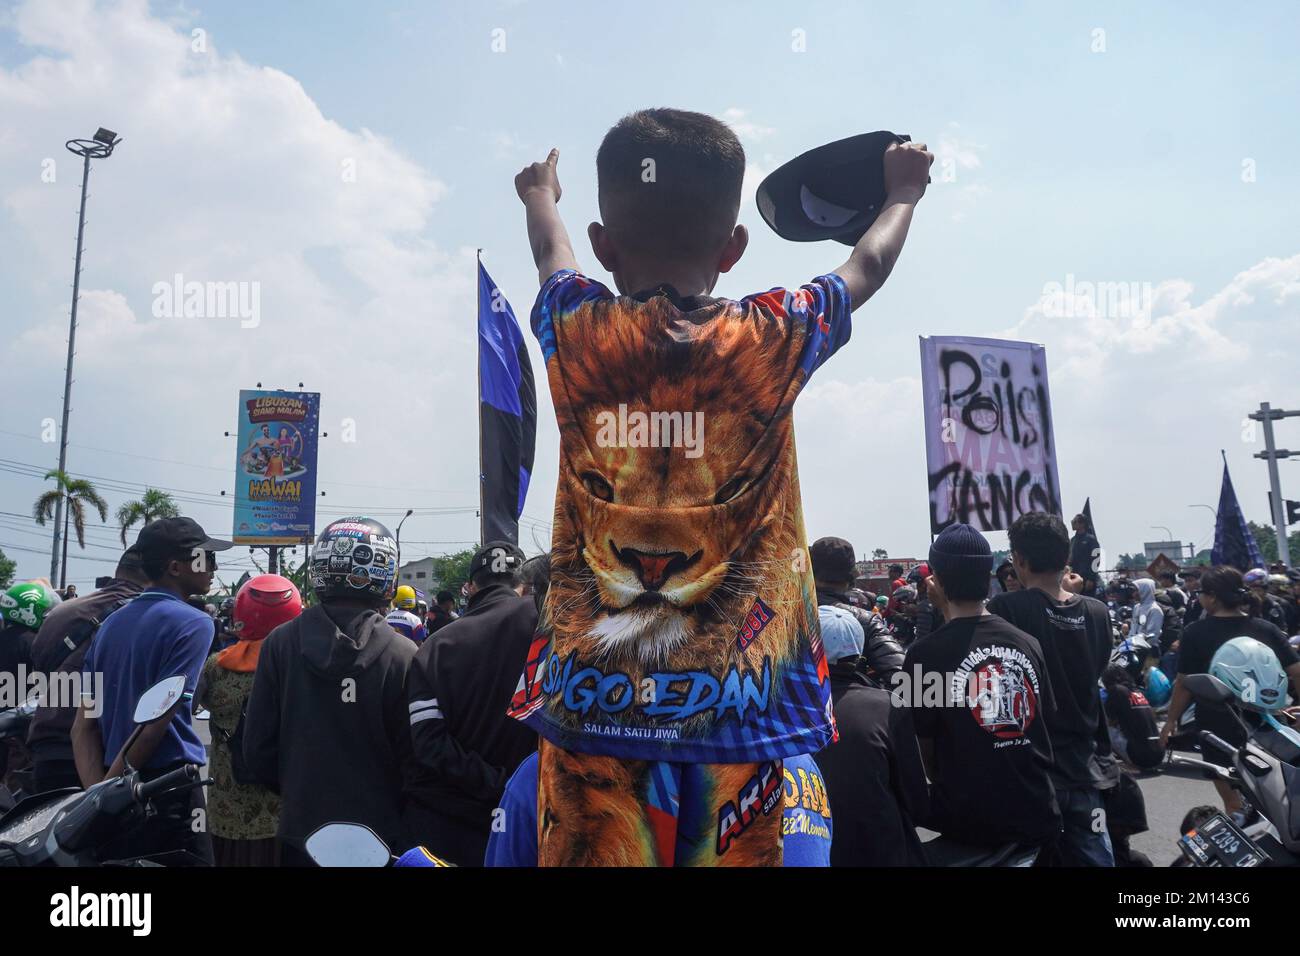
(684, 205)
(1041, 540)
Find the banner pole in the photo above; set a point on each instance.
(478, 365)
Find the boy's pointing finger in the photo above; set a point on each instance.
(553, 157)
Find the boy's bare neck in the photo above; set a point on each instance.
(685, 279)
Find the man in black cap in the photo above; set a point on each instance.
(158, 635)
(460, 685)
(442, 613)
(834, 574)
(58, 652)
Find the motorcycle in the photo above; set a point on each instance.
(354, 844)
(13, 725)
(69, 827)
(1266, 770)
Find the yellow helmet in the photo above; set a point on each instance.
(405, 598)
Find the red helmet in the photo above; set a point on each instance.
(263, 604)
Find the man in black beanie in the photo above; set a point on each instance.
(976, 691)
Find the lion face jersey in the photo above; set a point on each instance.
(681, 620)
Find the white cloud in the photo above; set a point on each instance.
(748, 130)
(955, 146)
(1110, 324)
(227, 172)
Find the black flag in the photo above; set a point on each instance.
(1233, 542)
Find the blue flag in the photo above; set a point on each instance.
(1233, 543)
(507, 414)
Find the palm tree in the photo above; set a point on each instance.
(75, 493)
(154, 504)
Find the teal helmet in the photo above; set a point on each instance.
(1252, 672)
(27, 604)
(1158, 689)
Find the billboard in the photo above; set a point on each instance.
(275, 467)
(989, 448)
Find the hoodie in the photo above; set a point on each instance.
(326, 723)
(1148, 619)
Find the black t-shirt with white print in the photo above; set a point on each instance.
(978, 688)
(1076, 642)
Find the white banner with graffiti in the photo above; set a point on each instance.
(990, 453)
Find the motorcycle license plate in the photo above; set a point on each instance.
(1220, 842)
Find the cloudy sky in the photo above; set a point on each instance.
(349, 158)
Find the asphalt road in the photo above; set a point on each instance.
(1169, 794)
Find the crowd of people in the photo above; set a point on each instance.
(674, 671)
(356, 707)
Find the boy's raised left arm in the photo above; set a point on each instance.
(907, 169)
(538, 187)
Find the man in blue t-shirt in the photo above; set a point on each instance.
(155, 636)
(805, 819)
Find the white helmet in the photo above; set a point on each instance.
(1252, 672)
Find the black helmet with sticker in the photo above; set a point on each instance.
(355, 558)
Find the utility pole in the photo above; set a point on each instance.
(1272, 454)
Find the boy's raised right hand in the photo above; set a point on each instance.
(540, 178)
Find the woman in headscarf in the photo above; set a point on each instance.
(242, 818)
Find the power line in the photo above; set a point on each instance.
(218, 500)
(190, 464)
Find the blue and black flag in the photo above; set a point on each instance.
(1233, 542)
(507, 414)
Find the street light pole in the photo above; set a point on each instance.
(1271, 454)
(409, 512)
(100, 147)
(1213, 511)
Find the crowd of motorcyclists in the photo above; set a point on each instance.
(355, 703)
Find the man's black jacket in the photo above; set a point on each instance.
(460, 686)
(326, 723)
(882, 655)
